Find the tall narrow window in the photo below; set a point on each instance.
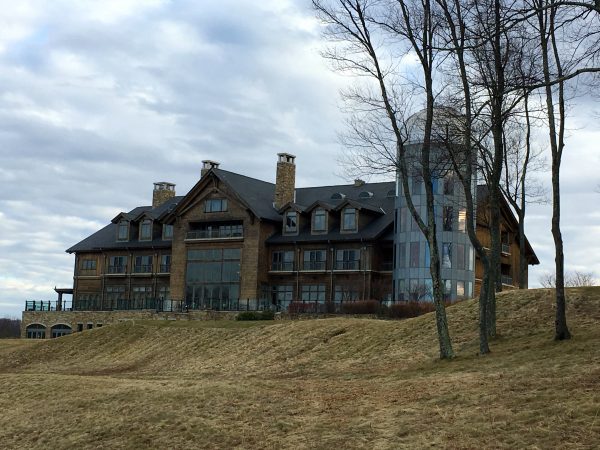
(460, 289)
(449, 184)
(447, 255)
(165, 263)
(414, 254)
(123, 231)
(146, 230)
(349, 219)
(401, 255)
(448, 218)
(291, 222)
(462, 220)
(460, 256)
(167, 232)
(319, 220)
(403, 226)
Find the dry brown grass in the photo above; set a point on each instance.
(346, 383)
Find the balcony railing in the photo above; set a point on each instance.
(214, 234)
(165, 268)
(40, 305)
(146, 268)
(116, 269)
(347, 265)
(282, 266)
(313, 265)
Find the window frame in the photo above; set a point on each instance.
(345, 212)
(288, 230)
(123, 225)
(213, 205)
(321, 212)
(146, 223)
(166, 236)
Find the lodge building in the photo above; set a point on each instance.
(234, 243)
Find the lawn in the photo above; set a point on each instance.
(345, 383)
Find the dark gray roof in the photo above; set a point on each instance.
(105, 238)
(257, 194)
(379, 205)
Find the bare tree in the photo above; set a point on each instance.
(360, 27)
(572, 279)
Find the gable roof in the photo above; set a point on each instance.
(105, 238)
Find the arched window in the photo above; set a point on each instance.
(60, 329)
(35, 331)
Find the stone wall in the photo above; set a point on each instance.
(96, 318)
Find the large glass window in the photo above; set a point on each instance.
(319, 220)
(123, 231)
(215, 230)
(347, 259)
(115, 297)
(448, 219)
(146, 230)
(349, 219)
(117, 264)
(291, 222)
(215, 205)
(282, 260)
(314, 259)
(212, 278)
(447, 255)
(414, 254)
(313, 293)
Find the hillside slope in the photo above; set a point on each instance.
(315, 383)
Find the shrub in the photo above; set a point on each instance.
(256, 315)
(10, 328)
(361, 307)
(404, 310)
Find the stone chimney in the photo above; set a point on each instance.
(207, 164)
(285, 181)
(163, 191)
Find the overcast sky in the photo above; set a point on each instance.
(98, 100)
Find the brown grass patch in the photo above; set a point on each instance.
(346, 383)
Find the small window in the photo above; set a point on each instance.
(291, 222)
(98, 325)
(349, 219)
(88, 264)
(338, 196)
(319, 220)
(79, 327)
(146, 230)
(462, 220)
(90, 326)
(365, 194)
(165, 263)
(123, 231)
(215, 205)
(167, 232)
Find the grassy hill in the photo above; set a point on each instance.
(347, 383)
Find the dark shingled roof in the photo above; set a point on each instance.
(105, 239)
(379, 204)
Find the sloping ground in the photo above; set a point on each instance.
(313, 383)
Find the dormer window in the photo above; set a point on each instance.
(167, 234)
(338, 196)
(146, 230)
(319, 224)
(123, 231)
(349, 219)
(365, 194)
(290, 225)
(215, 205)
